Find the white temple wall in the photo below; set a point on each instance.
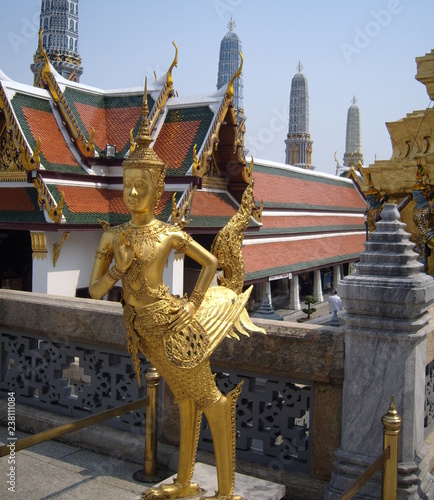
(73, 267)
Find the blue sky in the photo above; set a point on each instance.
(347, 48)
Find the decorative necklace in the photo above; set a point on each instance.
(145, 239)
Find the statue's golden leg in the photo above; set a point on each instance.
(221, 419)
(182, 487)
(190, 419)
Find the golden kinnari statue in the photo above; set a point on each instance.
(177, 335)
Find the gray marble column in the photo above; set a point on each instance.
(385, 327)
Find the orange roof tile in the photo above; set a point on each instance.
(174, 141)
(53, 147)
(290, 253)
(90, 199)
(16, 199)
(119, 123)
(309, 221)
(112, 126)
(211, 204)
(291, 190)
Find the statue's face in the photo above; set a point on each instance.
(139, 190)
(419, 197)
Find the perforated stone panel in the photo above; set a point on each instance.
(70, 379)
(272, 421)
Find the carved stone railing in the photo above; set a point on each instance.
(68, 356)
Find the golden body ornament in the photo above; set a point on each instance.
(177, 335)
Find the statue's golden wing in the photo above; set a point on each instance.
(223, 314)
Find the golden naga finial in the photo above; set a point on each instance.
(91, 141)
(31, 162)
(336, 160)
(132, 141)
(247, 173)
(169, 79)
(44, 55)
(230, 89)
(198, 168)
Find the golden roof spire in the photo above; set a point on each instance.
(231, 24)
(299, 67)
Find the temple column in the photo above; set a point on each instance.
(336, 276)
(317, 288)
(267, 290)
(386, 324)
(294, 293)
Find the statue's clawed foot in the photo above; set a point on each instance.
(174, 490)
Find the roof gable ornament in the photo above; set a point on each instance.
(85, 146)
(45, 199)
(169, 79)
(230, 88)
(165, 93)
(22, 157)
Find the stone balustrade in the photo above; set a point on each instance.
(68, 356)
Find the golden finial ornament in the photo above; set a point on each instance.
(231, 24)
(169, 78)
(299, 67)
(230, 89)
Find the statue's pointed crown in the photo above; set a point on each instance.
(141, 155)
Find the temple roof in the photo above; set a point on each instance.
(56, 172)
(309, 219)
(299, 254)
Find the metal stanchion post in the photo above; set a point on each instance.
(150, 472)
(392, 424)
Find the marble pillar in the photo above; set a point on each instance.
(336, 276)
(386, 321)
(294, 293)
(317, 288)
(267, 291)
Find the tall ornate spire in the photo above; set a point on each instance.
(298, 141)
(353, 142)
(229, 62)
(59, 22)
